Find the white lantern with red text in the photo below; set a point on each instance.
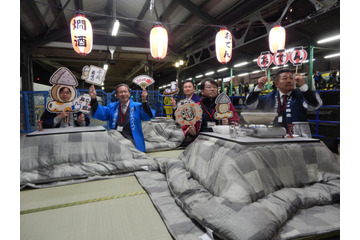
(81, 34)
(223, 45)
(277, 38)
(158, 42)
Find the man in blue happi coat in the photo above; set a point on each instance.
(125, 115)
(291, 104)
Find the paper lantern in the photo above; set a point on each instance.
(223, 44)
(277, 38)
(158, 42)
(81, 34)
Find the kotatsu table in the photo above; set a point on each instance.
(256, 140)
(239, 188)
(252, 188)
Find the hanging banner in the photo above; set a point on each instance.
(280, 58)
(298, 56)
(264, 60)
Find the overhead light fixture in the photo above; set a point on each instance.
(307, 60)
(209, 73)
(241, 64)
(242, 74)
(329, 39)
(256, 71)
(179, 63)
(199, 76)
(106, 66)
(115, 28)
(332, 55)
(222, 69)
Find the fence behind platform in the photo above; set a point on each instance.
(33, 104)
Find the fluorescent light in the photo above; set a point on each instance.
(222, 69)
(306, 61)
(240, 64)
(242, 74)
(256, 71)
(332, 55)
(255, 60)
(189, 78)
(209, 73)
(199, 76)
(177, 64)
(106, 66)
(333, 38)
(136, 49)
(115, 28)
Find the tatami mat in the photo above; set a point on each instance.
(167, 154)
(122, 210)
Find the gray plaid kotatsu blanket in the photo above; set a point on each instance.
(279, 191)
(82, 156)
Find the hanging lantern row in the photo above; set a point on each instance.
(82, 39)
(81, 34)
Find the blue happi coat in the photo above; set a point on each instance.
(136, 115)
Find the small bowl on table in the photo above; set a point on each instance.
(223, 129)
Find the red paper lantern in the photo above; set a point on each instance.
(158, 42)
(81, 34)
(277, 38)
(223, 44)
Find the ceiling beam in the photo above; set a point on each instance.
(61, 13)
(198, 12)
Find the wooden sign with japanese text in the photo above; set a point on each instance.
(93, 75)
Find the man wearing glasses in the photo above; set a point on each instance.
(291, 104)
(64, 119)
(209, 92)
